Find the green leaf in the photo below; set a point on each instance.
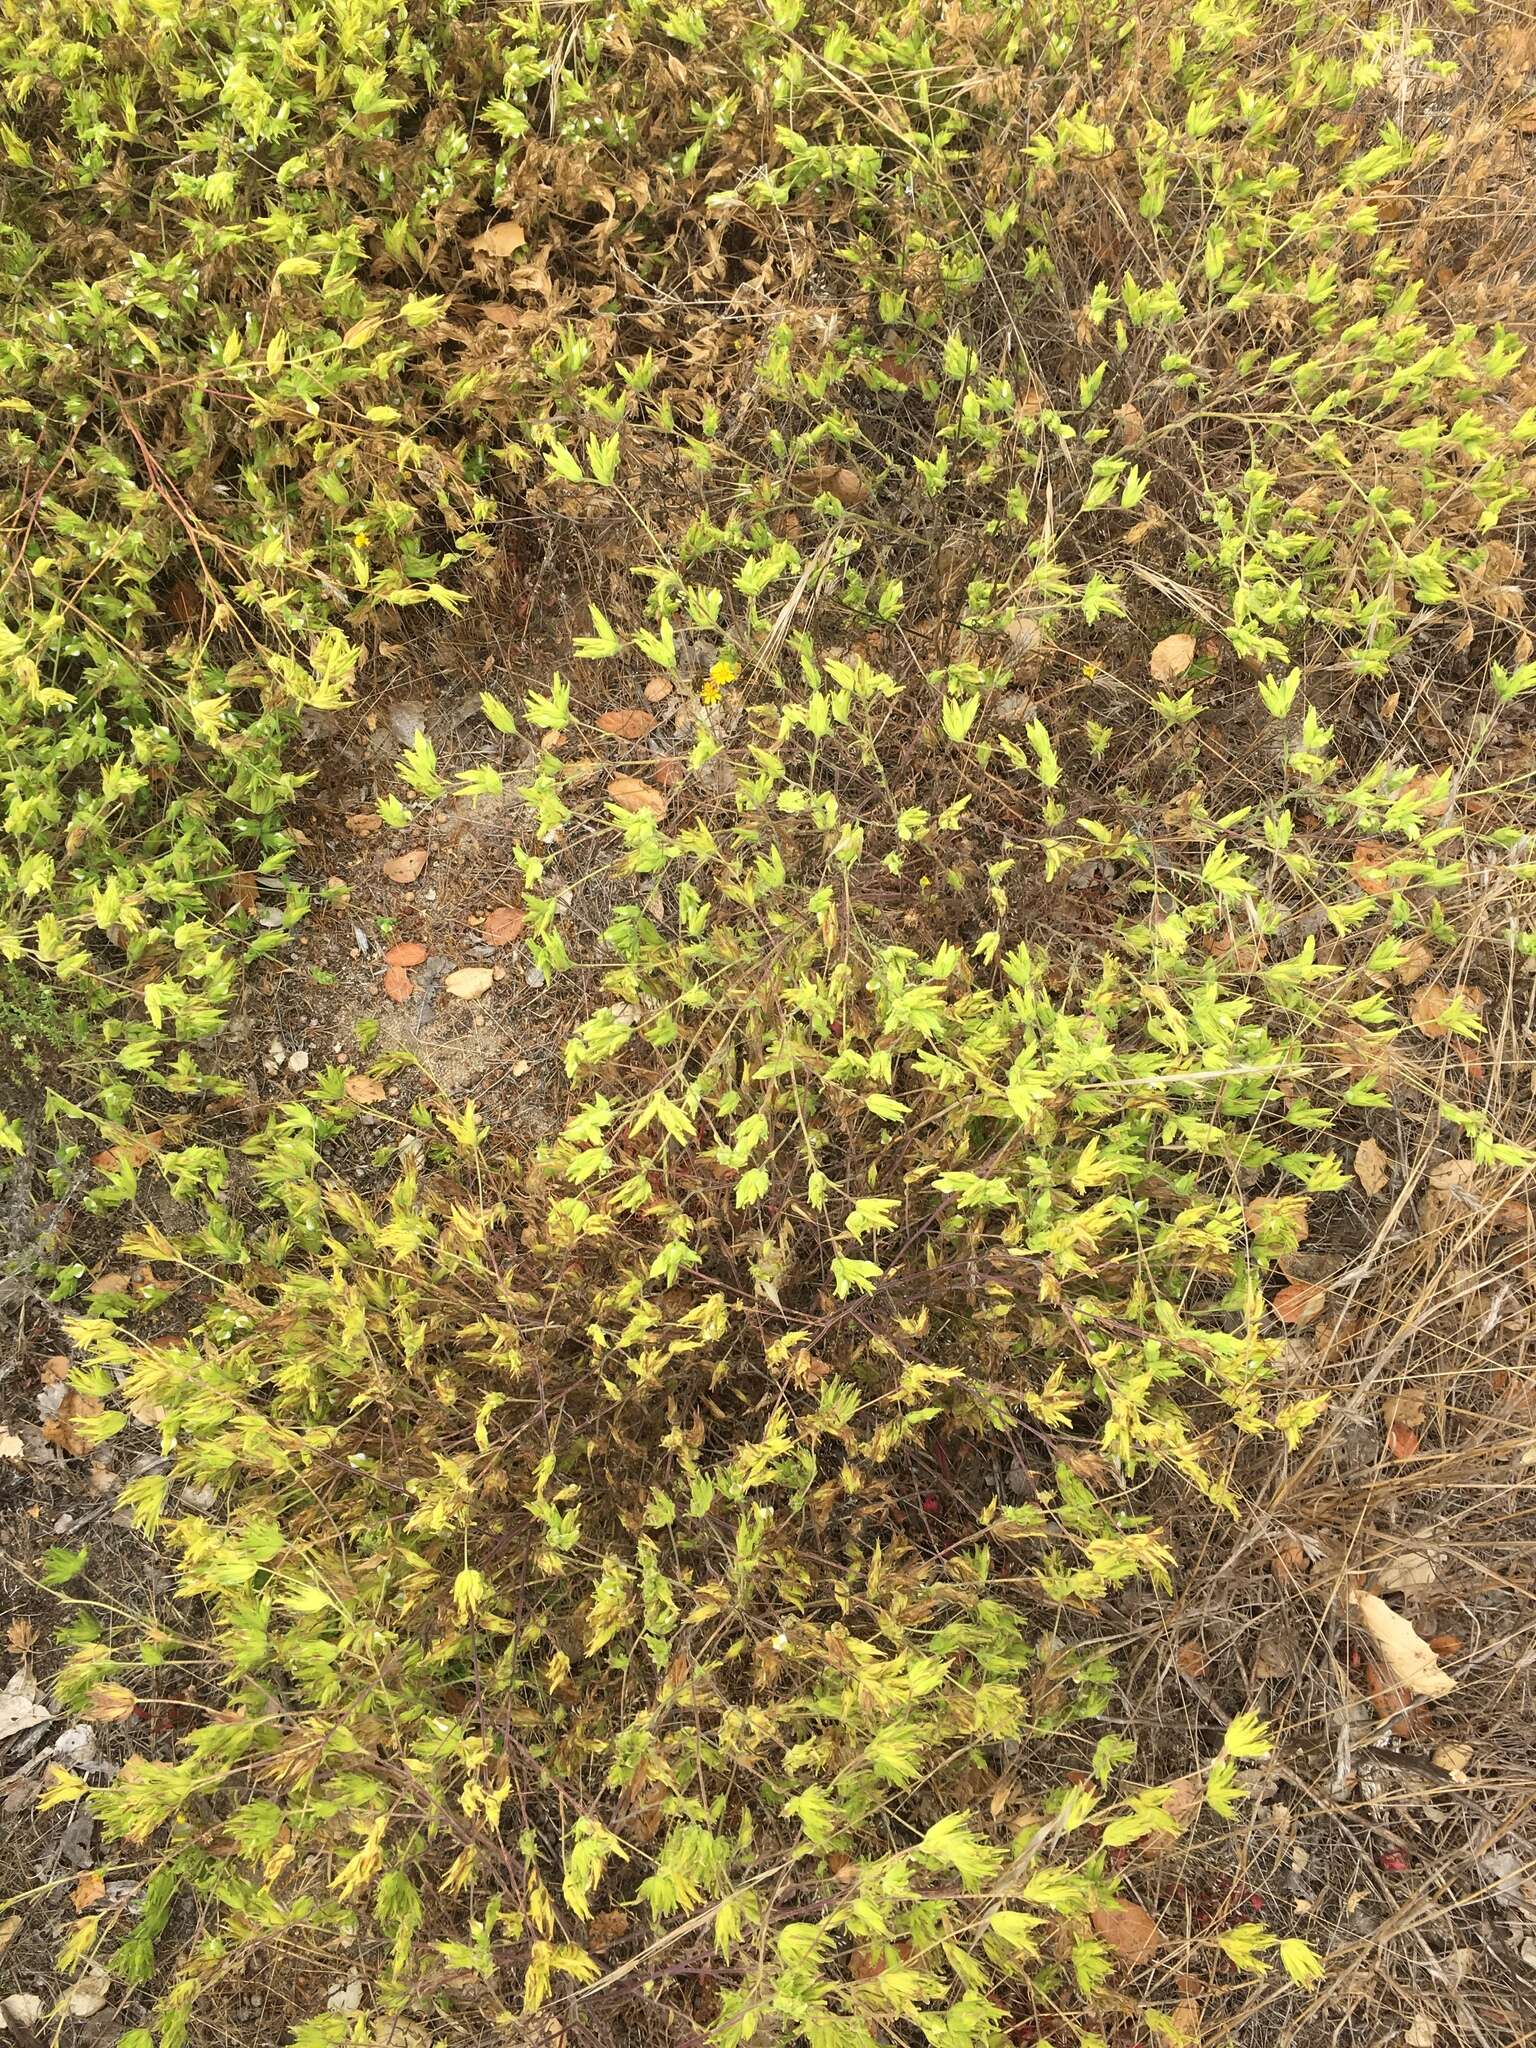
(601, 643)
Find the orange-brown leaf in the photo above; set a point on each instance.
(1171, 657)
(1128, 1929)
(631, 794)
(409, 953)
(406, 867)
(504, 924)
(1431, 1004)
(1373, 1168)
(630, 724)
(1300, 1303)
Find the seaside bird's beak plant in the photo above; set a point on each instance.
(676, 1563)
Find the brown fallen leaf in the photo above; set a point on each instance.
(512, 317)
(504, 924)
(1128, 1929)
(632, 724)
(1186, 2023)
(844, 483)
(1403, 1418)
(1274, 1655)
(405, 867)
(1431, 1004)
(1368, 864)
(89, 1888)
(363, 1088)
(1190, 1659)
(505, 238)
(397, 984)
(1373, 1168)
(409, 953)
(1171, 657)
(62, 1427)
(12, 1449)
(658, 688)
(1301, 1302)
(1418, 958)
(132, 1152)
(466, 983)
(1511, 1216)
(631, 794)
(1407, 1659)
(1395, 1702)
(361, 823)
(1453, 1758)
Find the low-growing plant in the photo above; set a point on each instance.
(1023, 450)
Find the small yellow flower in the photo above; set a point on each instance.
(724, 671)
(1090, 670)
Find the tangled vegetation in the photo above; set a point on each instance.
(662, 1568)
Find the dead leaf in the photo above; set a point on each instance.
(1418, 958)
(397, 984)
(20, 1708)
(1171, 657)
(1422, 2031)
(409, 953)
(361, 823)
(87, 1891)
(1186, 2021)
(1190, 1659)
(89, 1993)
(658, 688)
(1408, 1571)
(1128, 1929)
(1368, 864)
(843, 483)
(504, 239)
(1409, 1660)
(1300, 1303)
(1431, 1004)
(11, 1447)
(131, 1152)
(104, 1283)
(363, 1088)
(1274, 1655)
(631, 794)
(20, 1635)
(1373, 1167)
(466, 983)
(1395, 1703)
(1453, 1758)
(60, 1427)
(1511, 1216)
(632, 724)
(1403, 1416)
(406, 867)
(504, 925)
